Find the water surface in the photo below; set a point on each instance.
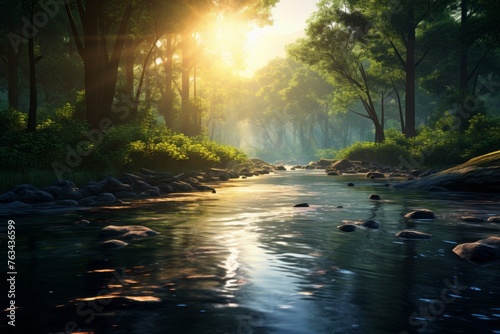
(244, 260)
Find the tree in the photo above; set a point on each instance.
(100, 65)
(332, 48)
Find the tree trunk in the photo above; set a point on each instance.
(410, 74)
(186, 70)
(13, 58)
(128, 60)
(463, 48)
(33, 91)
(169, 93)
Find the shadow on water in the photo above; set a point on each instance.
(245, 261)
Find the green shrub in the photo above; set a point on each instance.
(387, 153)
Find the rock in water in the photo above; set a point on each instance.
(113, 244)
(421, 214)
(494, 219)
(347, 227)
(375, 197)
(370, 223)
(301, 205)
(127, 231)
(481, 251)
(472, 219)
(413, 235)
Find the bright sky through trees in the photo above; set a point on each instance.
(266, 43)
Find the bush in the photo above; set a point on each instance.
(388, 153)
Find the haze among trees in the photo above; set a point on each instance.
(396, 81)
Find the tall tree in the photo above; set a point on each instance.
(100, 65)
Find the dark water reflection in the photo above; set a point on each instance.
(245, 261)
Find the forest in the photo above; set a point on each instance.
(92, 87)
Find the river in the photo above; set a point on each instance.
(244, 261)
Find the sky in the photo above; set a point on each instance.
(267, 43)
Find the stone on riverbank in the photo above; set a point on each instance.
(481, 251)
(480, 174)
(413, 235)
(494, 219)
(113, 244)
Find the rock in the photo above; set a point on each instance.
(370, 223)
(83, 222)
(180, 186)
(332, 173)
(233, 174)
(281, 167)
(69, 202)
(494, 219)
(105, 198)
(65, 184)
(126, 194)
(87, 201)
(71, 193)
(340, 206)
(374, 175)
(55, 191)
(9, 196)
(166, 188)
(375, 197)
(481, 251)
(142, 186)
(127, 231)
(22, 187)
(350, 184)
(153, 192)
(421, 214)
(222, 174)
(472, 219)
(202, 187)
(347, 227)
(113, 244)
(341, 165)
(301, 205)
(16, 205)
(480, 174)
(410, 234)
(34, 196)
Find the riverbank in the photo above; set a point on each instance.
(141, 184)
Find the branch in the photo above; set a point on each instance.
(401, 60)
(360, 114)
(422, 58)
(74, 30)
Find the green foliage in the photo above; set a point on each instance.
(384, 153)
(70, 143)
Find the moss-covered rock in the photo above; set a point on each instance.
(480, 174)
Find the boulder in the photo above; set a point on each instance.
(65, 184)
(341, 165)
(375, 197)
(222, 174)
(125, 194)
(350, 184)
(87, 201)
(34, 196)
(69, 202)
(332, 173)
(480, 174)
(281, 167)
(301, 205)
(481, 251)
(142, 186)
(180, 186)
(347, 227)
(127, 231)
(113, 185)
(105, 198)
(370, 223)
(421, 214)
(16, 205)
(414, 235)
(9, 196)
(82, 222)
(55, 191)
(22, 187)
(92, 188)
(71, 193)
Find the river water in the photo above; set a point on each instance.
(244, 260)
